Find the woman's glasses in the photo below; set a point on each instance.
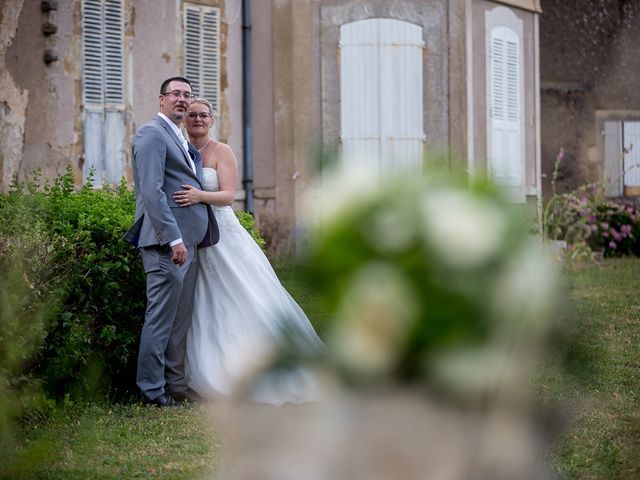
(202, 115)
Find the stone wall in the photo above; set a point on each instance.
(589, 64)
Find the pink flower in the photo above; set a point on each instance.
(605, 234)
(615, 234)
(612, 244)
(604, 225)
(625, 230)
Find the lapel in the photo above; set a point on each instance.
(177, 141)
(197, 160)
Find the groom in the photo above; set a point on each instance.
(167, 236)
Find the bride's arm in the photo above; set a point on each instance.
(227, 177)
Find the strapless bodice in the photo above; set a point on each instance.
(210, 179)
(224, 215)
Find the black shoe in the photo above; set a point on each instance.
(163, 400)
(187, 396)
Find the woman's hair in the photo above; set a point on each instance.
(205, 102)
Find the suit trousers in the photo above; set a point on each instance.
(170, 290)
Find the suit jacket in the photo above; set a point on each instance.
(160, 168)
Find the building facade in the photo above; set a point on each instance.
(382, 82)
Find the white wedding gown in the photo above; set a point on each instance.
(240, 312)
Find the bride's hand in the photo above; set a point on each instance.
(187, 197)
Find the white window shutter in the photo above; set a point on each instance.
(103, 89)
(92, 53)
(631, 139)
(114, 51)
(381, 94)
(192, 47)
(612, 154)
(202, 52)
(505, 105)
(360, 94)
(211, 57)
(401, 87)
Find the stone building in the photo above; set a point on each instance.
(383, 82)
(589, 100)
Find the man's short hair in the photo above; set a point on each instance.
(166, 83)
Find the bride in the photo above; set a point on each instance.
(240, 308)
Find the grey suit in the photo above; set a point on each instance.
(161, 167)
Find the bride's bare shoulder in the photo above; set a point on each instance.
(224, 153)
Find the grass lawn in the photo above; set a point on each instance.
(600, 441)
(121, 442)
(602, 438)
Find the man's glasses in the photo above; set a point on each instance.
(202, 115)
(177, 94)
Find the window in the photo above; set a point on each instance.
(381, 97)
(505, 136)
(622, 157)
(103, 89)
(202, 52)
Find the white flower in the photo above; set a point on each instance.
(476, 370)
(525, 293)
(392, 229)
(338, 190)
(373, 320)
(464, 231)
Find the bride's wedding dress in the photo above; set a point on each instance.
(240, 310)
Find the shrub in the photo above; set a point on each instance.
(248, 222)
(590, 222)
(92, 283)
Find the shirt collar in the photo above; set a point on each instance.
(173, 126)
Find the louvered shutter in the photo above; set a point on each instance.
(92, 53)
(202, 52)
(612, 155)
(381, 94)
(631, 139)
(505, 109)
(103, 89)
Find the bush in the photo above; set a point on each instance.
(75, 263)
(248, 222)
(92, 281)
(590, 222)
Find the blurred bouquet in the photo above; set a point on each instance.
(429, 282)
(440, 303)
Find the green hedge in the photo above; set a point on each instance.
(79, 297)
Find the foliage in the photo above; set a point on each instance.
(589, 222)
(93, 278)
(247, 221)
(28, 270)
(92, 281)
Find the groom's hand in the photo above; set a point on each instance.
(179, 254)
